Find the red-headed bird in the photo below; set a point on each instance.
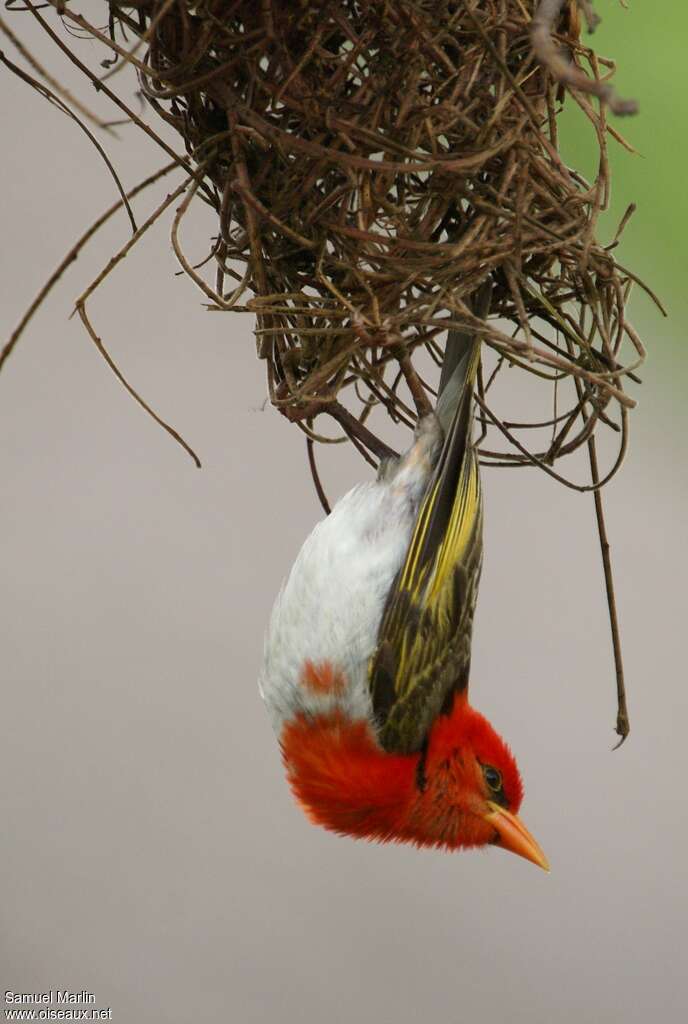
(367, 653)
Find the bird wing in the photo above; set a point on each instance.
(424, 640)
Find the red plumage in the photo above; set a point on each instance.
(348, 784)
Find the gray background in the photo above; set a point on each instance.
(151, 852)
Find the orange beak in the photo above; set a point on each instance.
(513, 835)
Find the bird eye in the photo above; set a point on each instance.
(493, 778)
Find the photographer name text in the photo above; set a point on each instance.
(51, 997)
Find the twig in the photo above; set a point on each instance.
(44, 91)
(80, 308)
(100, 86)
(564, 70)
(72, 255)
(622, 721)
(356, 429)
(69, 98)
(316, 476)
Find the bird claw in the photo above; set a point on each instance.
(428, 434)
(388, 468)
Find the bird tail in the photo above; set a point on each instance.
(461, 362)
(423, 652)
(452, 508)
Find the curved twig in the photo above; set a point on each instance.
(564, 70)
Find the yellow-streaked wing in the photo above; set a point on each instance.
(424, 641)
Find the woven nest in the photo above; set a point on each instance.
(373, 163)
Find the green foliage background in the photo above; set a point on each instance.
(648, 42)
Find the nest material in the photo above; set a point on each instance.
(372, 163)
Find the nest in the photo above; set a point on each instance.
(372, 164)
(376, 166)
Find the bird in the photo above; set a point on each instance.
(368, 647)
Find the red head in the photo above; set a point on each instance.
(463, 791)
